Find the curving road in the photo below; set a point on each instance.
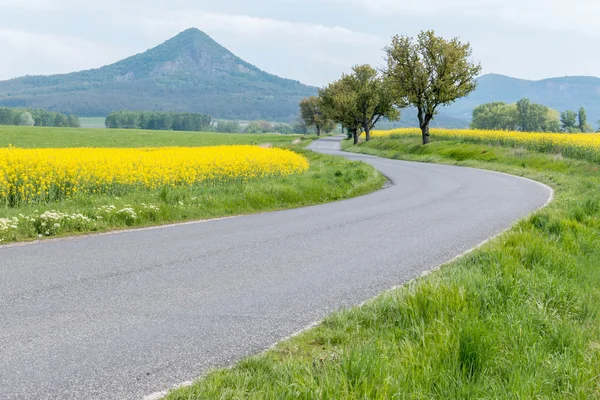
(123, 315)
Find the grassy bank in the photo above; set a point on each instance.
(45, 137)
(517, 319)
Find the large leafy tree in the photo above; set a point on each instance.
(582, 120)
(533, 117)
(496, 115)
(339, 102)
(430, 72)
(359, 100)
(568, 120)
(311, 112)
(374, 97)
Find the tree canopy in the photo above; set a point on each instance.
(311, 112)
(37, 117)
(339, 103)
(430, 72)
(524, 116)
(359, 100)
(496, 115)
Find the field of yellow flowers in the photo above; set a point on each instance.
(43, 175)
(582, 145)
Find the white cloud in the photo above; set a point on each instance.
(36, 53)
(578, 16)
(254, 28)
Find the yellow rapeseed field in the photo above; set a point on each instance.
(30, 175)
(580, 145)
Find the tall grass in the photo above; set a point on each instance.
(516, 319)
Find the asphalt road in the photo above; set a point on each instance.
(123, 315)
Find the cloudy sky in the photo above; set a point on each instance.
(313, 41)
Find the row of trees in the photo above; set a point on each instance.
(427, 72)
(154, 120)
(262, 126)
(268, 127)
(37, 117)
(575, 122)
(528, 117)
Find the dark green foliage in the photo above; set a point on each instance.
(188, 73)
(17, 116)
(496, 115)
(533, 117)
(582, 121)
(568, 119)
(524, 116)
(159, 121)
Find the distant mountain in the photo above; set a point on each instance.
(190, 72)
(568, 93)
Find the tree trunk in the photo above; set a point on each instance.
(318, 130)
(425, 132)
(367, 132)
(355, 135)
(424, 120)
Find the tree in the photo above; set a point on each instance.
(73, 121)
(430, 72)
(265, 126)
(284, 129)
(227, 126)
(25, 119)
(253, 127)
(374, 98)
(340, 103)
(582, 120)
(329, 126)
(496, 115)
(312, 114)
(569, 122)
(533, 117)
(300, 127)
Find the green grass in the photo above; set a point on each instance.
(92, 122)
(44, 137)
(517, 319)
(328, 179)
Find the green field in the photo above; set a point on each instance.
(43, 137)
(92, 122)
(328, 179)
(517, 319)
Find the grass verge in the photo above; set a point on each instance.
(519, 318)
